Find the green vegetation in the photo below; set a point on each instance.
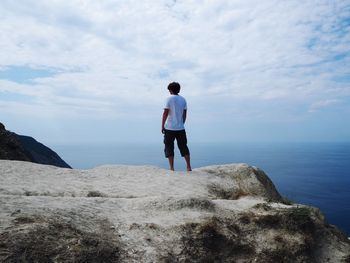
(299, 218)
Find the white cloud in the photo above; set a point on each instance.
(318, 105)
(117, 57)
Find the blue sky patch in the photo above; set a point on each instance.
(342, 78)
(24, 74)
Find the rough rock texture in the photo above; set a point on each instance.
(227, 213)
(24, 148)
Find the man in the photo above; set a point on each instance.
(174, 117)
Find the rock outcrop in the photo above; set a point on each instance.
(226, 213)
(25, 148)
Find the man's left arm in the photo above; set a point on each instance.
(184, 115)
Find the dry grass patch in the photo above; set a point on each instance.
(53, 240)
(214, 241)
(226, 193)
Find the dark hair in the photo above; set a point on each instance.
(174, 87)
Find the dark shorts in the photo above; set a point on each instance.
(181, 139)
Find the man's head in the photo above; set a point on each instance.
(174, 88)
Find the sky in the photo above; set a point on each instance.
(84, 71)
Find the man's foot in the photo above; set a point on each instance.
(189, 169)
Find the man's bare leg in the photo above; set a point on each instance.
(188, 162)
(171, 163)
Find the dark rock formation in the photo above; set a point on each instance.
(25, 148)
(10, 147)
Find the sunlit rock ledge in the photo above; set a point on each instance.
(117, 213)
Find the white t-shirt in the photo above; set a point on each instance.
(176, 105)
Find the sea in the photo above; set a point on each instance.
(316, 174)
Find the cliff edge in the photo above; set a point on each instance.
(225, 213)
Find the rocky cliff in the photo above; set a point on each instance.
(227, 213)
(25, 148)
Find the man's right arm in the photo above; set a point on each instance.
(165, 116)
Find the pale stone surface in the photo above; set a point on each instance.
(226, 213)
